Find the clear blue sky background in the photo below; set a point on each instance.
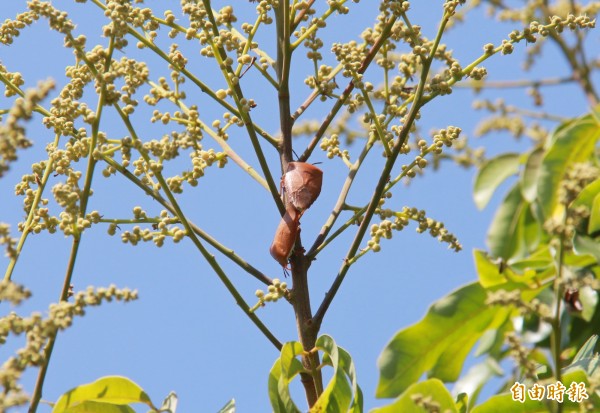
(185, 333)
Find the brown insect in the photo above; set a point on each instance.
(302, 184)
(285, 236)
(572, 299)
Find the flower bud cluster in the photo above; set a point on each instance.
(14, 293)
(563, 228)
(351, 56)
(122, 14)
(513, 298)
(576, 178)
(332, 147)
(264, 7)
(162, 228)
(515, 125)
(522, 356)
(314, 45)
(38, 330)
(401, 219)
(322, 82)
(275, 291)
(6, 240)
(13, 134)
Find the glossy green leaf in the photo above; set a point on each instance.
(229, 407)
(539, 259)
(530, 230)
(585, 359)
(491, 174)
(594, 222)
(530, 174)
(504, 234)
(462, 403)
(589, 301)
(339, 393)
(586, 246)
(99, 407)
(440, 342)
(286, 367)
(587, 194)
(477, 376)
(107, 390)
(573, 142)
(350, 370)
(432, 388)
(493, 273)
(489, 273)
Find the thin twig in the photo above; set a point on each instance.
(85, 194)
(383, 178)
(344, 96)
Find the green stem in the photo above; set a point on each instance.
(319, 242)
(229, 253)
(203, 87)
(307, 334)
(221, 56)
(31, 215)
(64, 295)
(85, 194)
(346, 94)
(383, 178)
(378, 128)
(556, 339)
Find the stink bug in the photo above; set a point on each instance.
(302, 184)
(285, 236)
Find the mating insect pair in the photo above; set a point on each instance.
(301, 185)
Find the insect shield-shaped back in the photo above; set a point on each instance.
(285, 236)
(302, 184)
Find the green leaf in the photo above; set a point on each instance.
(99, 407)
(585, 359)
(571, 143)
(432, 388)
(338, 394)
(538, 260)
(585, 245)
(286, 367)
(107, 390)
(229, 407)
(477, 376)
(530, 174)
(491, 174)
(489, 273)
(587, 195)
(440, 342)
(594, 223)
(589, 301)
(462, 403)
(504, 234)
(587, 350)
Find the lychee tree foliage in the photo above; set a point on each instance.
(534, 300)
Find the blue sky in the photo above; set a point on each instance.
(185, 333)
